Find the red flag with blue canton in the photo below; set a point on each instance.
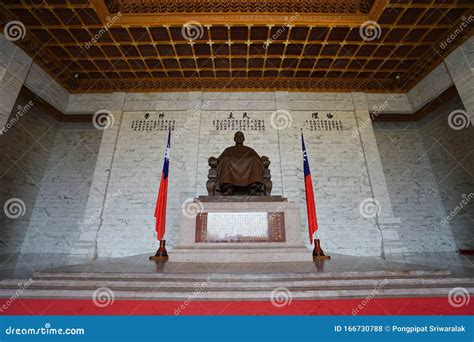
(160, 210)
(310, 203)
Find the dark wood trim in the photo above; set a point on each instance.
(445, 96)
(51, 110)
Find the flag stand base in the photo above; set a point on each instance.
(318, 253)
(161, 253)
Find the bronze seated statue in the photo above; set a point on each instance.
(239, 170)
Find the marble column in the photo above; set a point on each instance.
(86, 245)
(385, 219)
(460, 64)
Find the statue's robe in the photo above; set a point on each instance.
(239, 165)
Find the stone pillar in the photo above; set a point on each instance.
(86, 245)
(460, 64)
(190, 141)
(287, 144)
(291, 159)
(14, 66)
(385, 219)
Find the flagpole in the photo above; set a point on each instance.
(160, 210)
(318, 253)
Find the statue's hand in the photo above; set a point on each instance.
(212, 162)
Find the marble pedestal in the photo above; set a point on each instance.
(240, 229)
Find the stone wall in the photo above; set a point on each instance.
(97, 189)
(14, 67)
(62, 197)
(412, 188)
(429, 168)
(24, 151)
(46, 168)
(126, 200)
(451, 155)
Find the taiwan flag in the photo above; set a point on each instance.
(160, 210)
(310, 204)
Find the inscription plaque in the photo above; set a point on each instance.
(240, 227)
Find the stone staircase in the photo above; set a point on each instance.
(239, 286)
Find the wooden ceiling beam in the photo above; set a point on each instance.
(68, 41)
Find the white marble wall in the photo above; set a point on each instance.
(14, 66)
(413, 189)
(46, 168)
(130, 162)
(24, 151)
(62, 196)
(39, 82)
(346, 166)
(429, 87)
(340, 172)
(460, 64)
(452, 160)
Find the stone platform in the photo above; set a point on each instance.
(341, 277)
(240, 229)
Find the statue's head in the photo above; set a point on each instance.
(239, 137)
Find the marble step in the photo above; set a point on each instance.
(286, 294)
(242, 276)
(222, 285)
(173, 284)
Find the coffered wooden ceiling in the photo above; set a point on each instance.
(153, 45)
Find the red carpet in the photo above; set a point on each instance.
(383, 306)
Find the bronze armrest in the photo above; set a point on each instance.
(213, 162)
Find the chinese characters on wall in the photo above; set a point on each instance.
(238, 122)
(320, 122)
(149, 125)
